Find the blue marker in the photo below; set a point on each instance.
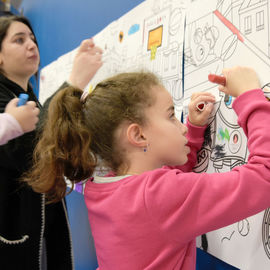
(22, 99)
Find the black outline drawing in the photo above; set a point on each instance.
(212, 41)
(266, 232)
(228, 238)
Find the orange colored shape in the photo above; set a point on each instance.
(121, 36)
(155, 37)
(229, 25)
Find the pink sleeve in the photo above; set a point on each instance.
(185, 205)
(195, 138)
(9, 128)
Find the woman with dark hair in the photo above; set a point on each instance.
(37, 235)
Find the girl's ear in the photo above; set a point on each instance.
(136, 136)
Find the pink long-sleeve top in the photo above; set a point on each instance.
(150, 221)
(9, 128)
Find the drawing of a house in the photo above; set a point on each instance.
(254, 24)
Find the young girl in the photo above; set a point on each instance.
(146, 213)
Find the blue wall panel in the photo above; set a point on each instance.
(61, 25)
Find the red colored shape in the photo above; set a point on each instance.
(229, 25)
(200, 106)
(217, 79)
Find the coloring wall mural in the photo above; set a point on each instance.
(182, 42)
(149, 37)
(222, 34)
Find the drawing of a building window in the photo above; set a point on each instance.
(260, 20)
(248, 27)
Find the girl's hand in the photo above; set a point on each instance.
(26, 115)
(197, 117)
(239, 80)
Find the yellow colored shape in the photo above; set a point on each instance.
(90, 89)
(153, 52)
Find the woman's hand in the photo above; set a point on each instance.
(86, 63)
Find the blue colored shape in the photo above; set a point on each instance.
(22, 99)
(228, 103)
(133, 29)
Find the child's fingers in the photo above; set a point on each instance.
(208, 108)
(36, 112)
(198, 98)
(11, 105)
(225, 71)
(205, 98)
(201, 101)
(13, 102)
(31, 104)
(200, 117)
(204, 115)
(197, 94)
(222, 88)
(34, 109)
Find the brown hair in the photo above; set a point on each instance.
(76, 134)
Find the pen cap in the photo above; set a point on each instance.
(22, 99)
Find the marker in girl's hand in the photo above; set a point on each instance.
(214, 79)
(200, 106)
(22, 99)
(217, 79)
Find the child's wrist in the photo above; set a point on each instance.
(194, 124)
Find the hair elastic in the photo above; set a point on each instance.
(86, 93)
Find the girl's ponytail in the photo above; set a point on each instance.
(64, 147)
